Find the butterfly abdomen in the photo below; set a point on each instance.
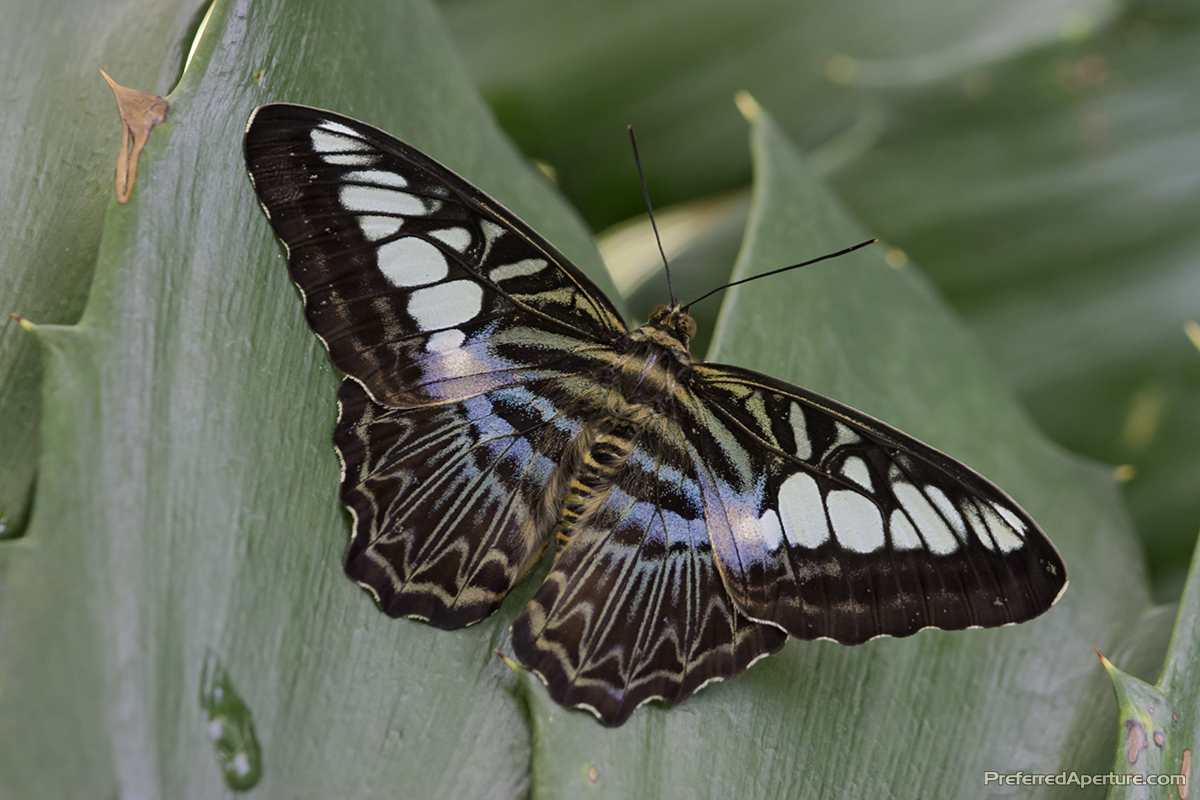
(598, 467)
(637, 397)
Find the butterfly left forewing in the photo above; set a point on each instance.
(423, 288)
(458, 327)
(833, 525)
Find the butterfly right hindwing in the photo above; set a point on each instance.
(453, 503)
(634, 608)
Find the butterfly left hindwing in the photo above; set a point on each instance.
(449, 500)
(495, 400)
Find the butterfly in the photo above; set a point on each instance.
(701, 513)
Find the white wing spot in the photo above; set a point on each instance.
(491, 231)
(441, 341)
(376, 228)
(1007, 538)
(333, 138)
(350, 159)
(337, 127)
(857, 523)
(530, 266)
(802, 512)
(800, 431)
(445, 305)
(856, 470)
(457, 238)
(374, 200)
(412, 262)
(976, 524)
(904, 535)
(929, 523)
(379, 177)
(845, 436)
(1012, 519)
(948, 510)
(772, 533)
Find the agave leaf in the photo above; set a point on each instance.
(55, 180)
(188, 493)
(919, 717)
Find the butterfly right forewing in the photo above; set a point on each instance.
(834, 525)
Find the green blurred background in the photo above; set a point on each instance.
(1040, 161)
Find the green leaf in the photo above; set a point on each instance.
(56, 178)
(187, 499)
(187, 502)
(565, 78)
(1158, 732)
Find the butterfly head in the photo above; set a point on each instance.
(675, 320)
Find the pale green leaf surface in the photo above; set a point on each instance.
(188, 492)
(55, 178)
(1157, 725)
(188, 503)
(1150, 740)
(919, 717)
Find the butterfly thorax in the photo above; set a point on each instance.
(655, 359)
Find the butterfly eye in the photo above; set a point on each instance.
(687, 326)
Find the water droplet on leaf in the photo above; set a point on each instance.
(230, 726)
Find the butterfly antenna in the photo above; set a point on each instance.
(858, 246)
(649, 210)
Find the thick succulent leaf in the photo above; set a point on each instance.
(1158, 733)
(919, 717)
(188, 496)
(57, 168)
